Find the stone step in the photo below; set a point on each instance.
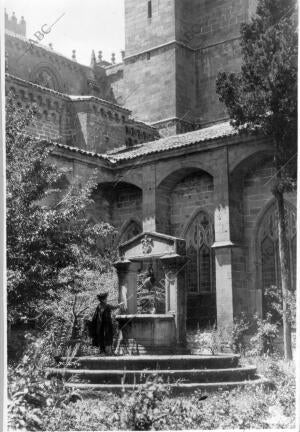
(175, 388)
(140, 376)
(152, 362)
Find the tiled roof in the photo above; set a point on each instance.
(174, 142)
(81, 151)
(177, 141)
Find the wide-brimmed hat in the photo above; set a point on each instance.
(102, 296)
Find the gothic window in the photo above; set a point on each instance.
(268, 246)
(201, 266)
(132, 230)
(192, 269)
(268, 262)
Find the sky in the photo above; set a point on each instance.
(85, 25)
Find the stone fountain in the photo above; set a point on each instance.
(154, 333)
(162, 336)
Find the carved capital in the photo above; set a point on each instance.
(122, 265)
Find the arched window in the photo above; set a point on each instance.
(268, 246)
(132, 229)
(201, 266)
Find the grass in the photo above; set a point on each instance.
(238, 409)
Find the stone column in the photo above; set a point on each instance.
(176, 296)
(149, 199)
(223, 245)
(127, 276)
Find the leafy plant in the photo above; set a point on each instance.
(141, 410)
(150, 297)
(29, 392)
(51, 244)
(251, 408)
(264, 338)
(241, 326)
(214, 340)
(273, 301)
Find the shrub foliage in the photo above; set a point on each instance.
(51, 244)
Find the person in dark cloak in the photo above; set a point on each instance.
(101, 327)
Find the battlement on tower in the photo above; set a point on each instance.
(12, 24)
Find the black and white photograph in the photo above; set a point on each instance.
(149, 215)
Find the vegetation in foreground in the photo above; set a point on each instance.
(153, 409)
(38, 404)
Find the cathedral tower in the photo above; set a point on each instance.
(174, 51)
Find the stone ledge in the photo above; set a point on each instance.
(224, 244)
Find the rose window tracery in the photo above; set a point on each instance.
(46, 78)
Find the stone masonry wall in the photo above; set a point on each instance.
(115, 78)
(116, 204)
(50, 105)
(126, 204)
(210, 28)
(138, 132)
(206, 22)
(102, 125)
(143, 33)
(194, 192)
(256, 195)
(85, 122)
(224, 57)
(150, 85)
(186, 79)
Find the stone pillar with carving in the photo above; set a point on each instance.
(176, 296)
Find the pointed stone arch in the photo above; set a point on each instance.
(199, 236)
(130, 229)
(266, 247)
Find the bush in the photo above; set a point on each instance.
(153, 408)
(66, 316)
(212, 341)
(264, 339)
(273, 300)
(29, 392)
(150, 295)
(141, 410)
(241, 327)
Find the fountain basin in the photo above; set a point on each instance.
(149, 333)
